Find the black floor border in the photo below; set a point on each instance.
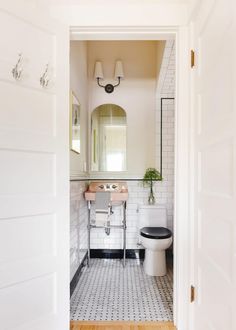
(117, 253)
(77, 275)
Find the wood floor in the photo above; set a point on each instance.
(119, 325)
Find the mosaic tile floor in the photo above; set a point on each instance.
(108, 292)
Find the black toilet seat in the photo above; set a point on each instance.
(155, 232)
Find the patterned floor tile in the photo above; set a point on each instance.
(108, 292)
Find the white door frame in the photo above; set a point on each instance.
(182, 134)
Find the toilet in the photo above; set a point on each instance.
(155, 238)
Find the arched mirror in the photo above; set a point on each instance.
(108, 138)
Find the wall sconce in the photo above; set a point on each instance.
(119, 74)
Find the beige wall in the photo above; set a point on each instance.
(136, 94)
(160, 52)
(79, 85)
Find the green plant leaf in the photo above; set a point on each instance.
(151, 175)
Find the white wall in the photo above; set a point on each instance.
(163, 190)
(78, 207)
(166, 89)
(136, 94)
(79, 85)
(78, 225)
(120, 13)
(137, 194)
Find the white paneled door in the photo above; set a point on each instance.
(215, 166)
(34, 173)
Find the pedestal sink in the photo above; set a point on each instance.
(119, 195)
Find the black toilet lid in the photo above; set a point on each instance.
(155, 232)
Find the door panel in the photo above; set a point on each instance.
(42, 238)
(37, 112)
(26, 310)
(34, 171)
(215, 166)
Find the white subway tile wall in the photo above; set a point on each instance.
(166, 89)
(78, 225)
(137, 193)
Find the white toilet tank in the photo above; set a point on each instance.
(152, 216)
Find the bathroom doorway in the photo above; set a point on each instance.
(117, 293)
(51, 277)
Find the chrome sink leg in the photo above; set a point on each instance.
(89, 228)
(124, 233)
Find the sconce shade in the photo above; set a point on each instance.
(119, 73)
(98, 72)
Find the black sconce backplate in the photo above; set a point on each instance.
(109, 88)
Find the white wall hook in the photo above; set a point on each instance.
(44, 79)
(17, 70)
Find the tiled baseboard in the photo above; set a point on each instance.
(117, 253)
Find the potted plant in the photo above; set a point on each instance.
(151, 175)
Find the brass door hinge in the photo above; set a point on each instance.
(192, 58)
(192, 294)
